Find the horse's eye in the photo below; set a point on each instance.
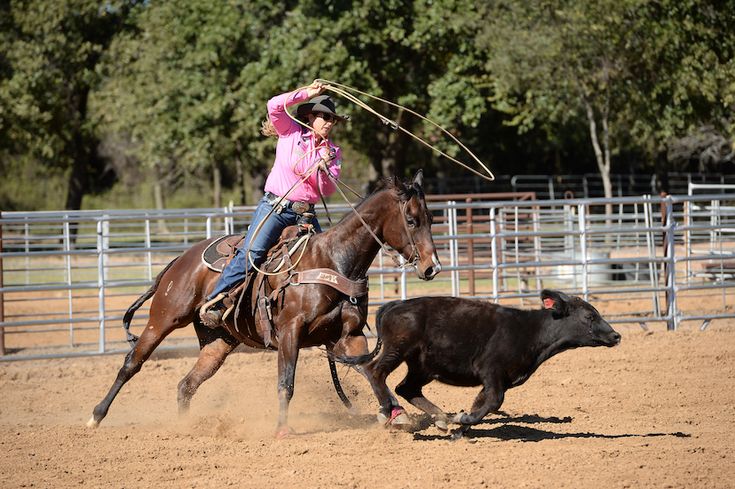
(411, 221)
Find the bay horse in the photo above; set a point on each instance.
(301, 314)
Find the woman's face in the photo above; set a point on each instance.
(322, 123)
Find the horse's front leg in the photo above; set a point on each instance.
(288, 355)
(352, 341)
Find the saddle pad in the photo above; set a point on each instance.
(220, 251)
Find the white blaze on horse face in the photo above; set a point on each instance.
(437, 264)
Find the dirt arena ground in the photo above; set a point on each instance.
(656, 411)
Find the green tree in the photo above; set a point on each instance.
(173, 86)
(48, 67)
(637, 72)
(683, 57)
(400, 51)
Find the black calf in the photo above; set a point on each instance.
(468, 342)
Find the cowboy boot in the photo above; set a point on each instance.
(212, 311)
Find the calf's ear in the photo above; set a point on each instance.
(557, 302)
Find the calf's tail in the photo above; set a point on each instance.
(128, 317)
(368, 357)
(360, 359)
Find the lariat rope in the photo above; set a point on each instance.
(262, 221)
(341, 89)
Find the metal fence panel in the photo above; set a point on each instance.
(67, 278)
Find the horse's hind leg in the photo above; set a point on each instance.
(215, 345)
(148, 341)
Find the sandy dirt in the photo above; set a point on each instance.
(656, 411)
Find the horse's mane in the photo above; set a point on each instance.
(404, 189)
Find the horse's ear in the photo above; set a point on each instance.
(418, 179)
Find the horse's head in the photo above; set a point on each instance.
(410, 233)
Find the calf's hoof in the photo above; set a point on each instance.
(459, 433)
(92, 423)
(441, 424)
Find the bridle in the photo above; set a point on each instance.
(413, 258)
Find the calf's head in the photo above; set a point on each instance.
(580, 322)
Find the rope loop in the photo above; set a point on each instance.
(343, 90)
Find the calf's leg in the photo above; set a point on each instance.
(489, 399)
(410, 389)
(377, 372)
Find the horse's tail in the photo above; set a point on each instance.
(128, 317)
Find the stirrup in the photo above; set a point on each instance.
(206, 315)
(207, 305)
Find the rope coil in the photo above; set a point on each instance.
(343, 91)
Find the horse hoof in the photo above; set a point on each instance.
(441, 424)
(92, 423)
(398, 418)
(284, 432)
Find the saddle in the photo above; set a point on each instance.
(218, 254)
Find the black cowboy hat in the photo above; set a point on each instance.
(320, 103)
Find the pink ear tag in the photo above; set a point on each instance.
(549, 303)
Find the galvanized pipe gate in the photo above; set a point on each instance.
(66, 278)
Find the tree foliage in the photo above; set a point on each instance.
(641, 73)
(51, 51)
(90, 88)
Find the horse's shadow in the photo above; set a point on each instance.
(510, 430)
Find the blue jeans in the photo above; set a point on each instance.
(238, 268)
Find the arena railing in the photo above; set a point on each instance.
(67, 278)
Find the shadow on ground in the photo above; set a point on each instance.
(510, 430)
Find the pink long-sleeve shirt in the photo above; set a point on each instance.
(296, 154)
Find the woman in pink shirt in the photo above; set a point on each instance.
(299, 151)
